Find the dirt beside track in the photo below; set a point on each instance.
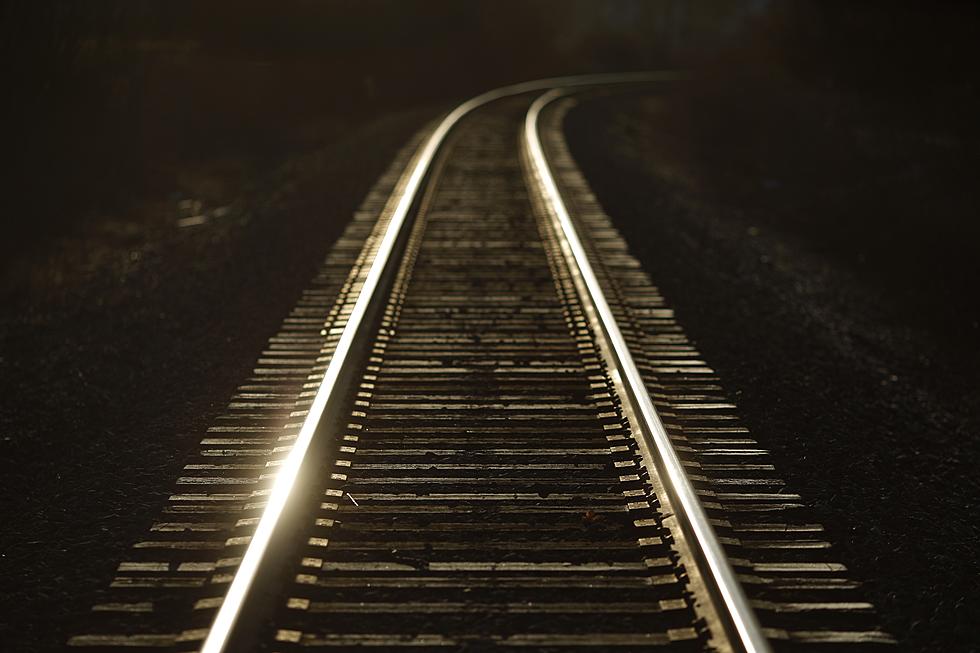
(821, 251)
(121, 341)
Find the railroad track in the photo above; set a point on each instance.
(481, 428)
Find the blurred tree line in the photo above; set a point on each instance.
(104, 98)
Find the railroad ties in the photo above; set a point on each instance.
(483, 489)
(486, 492)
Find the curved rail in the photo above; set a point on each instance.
(690, 513)
(222, 628)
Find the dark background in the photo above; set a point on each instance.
(808, 202)
(108, 101)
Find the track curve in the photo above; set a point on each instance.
(469, 452)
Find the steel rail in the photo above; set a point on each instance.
(694, 520)
(223, 626)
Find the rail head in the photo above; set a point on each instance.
(738, 614)
(222, 628)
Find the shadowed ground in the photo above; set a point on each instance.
(821, 252)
